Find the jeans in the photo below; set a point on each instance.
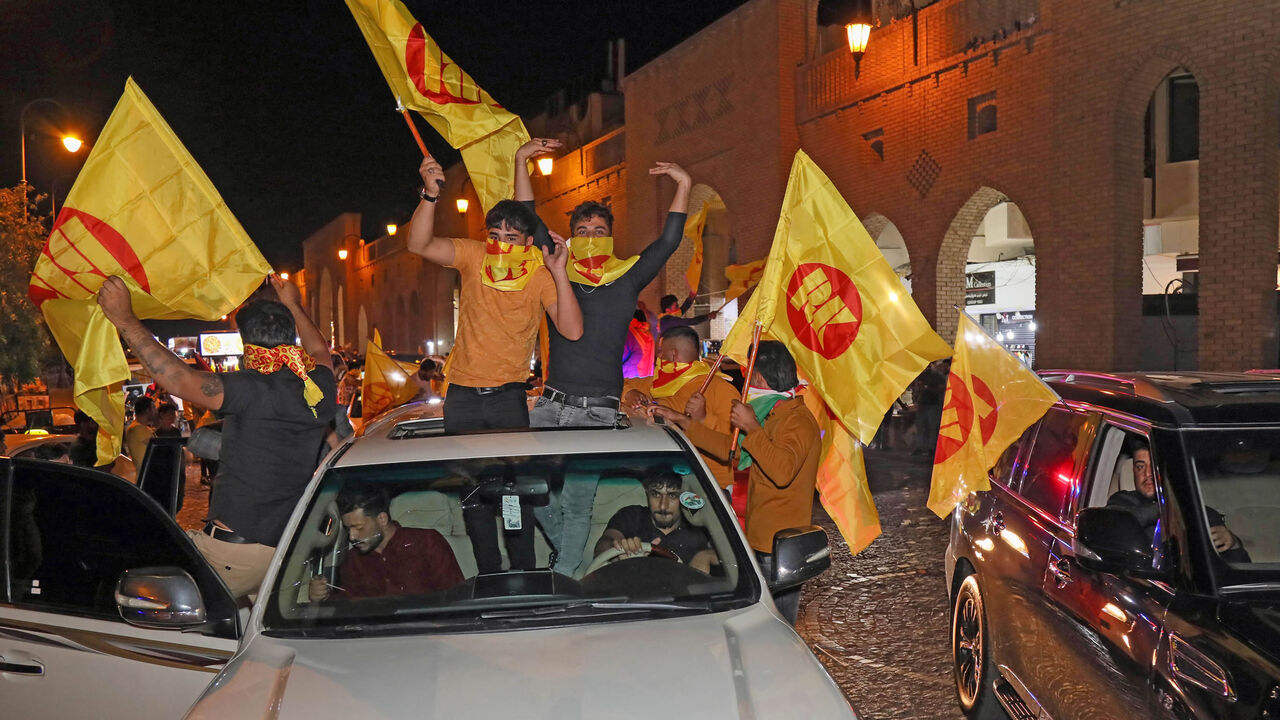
(567, 518)
(466, 409)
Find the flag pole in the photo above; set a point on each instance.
(710, 375)
(412, 128)
(746, 385)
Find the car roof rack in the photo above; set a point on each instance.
(1100, 380)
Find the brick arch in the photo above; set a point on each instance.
(717, 242)
(953, 255)
(876, 223)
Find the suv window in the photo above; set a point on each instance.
(1061, 442)
(72, 532)
(1006, 469)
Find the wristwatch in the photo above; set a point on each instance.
(422, 193)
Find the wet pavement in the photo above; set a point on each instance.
(879, 620)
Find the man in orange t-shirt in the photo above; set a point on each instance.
(506, 286)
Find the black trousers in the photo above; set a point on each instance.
(482, 527)
(468, 408)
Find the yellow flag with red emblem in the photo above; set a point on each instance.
(424, 79)
(143, 210)
(742, 278)
(694, 227)
(842, 485)
(831, 297)
(991, 399)
(387, 381)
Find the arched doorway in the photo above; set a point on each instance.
(342, 316)
(1171, 224)
(892, 245)
(718, 251)
(987, 266)
(324, 312)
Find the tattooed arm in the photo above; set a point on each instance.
(170, 373)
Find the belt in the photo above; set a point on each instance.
(582, 401)
(224, 535)
(517, 385)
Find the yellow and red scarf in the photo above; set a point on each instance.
(269, 360)
(509, 267)
(591, 261)
(671, 376)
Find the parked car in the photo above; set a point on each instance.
(1126, 561)
(24, 446)
(54, 420)
(620, 637)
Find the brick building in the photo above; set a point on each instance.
(1106, 144)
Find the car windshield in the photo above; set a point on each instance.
(1238, 472)
(465, 544)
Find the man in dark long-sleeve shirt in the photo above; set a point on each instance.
(584, 379)
(673, 314)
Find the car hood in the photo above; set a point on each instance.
(1256, 622)
(744, 663)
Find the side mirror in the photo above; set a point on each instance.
(159, 597)
(1111, 540)
(799, 554)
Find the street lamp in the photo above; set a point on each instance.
(544, 165)
(70, 142)
(342, 254)
(858, 31)
(462, 205)
(392, 228)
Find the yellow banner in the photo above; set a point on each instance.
(991, 399)
(424, 79)
(842, 485)
(742, 278)
(831, 297)
(142, 209)
(387, 382)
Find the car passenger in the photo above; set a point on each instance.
(390, 559)
(1142, 504)
(661, 523)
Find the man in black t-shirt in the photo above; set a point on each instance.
(275, 415)
(660, 523)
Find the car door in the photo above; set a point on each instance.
(1107, 627)
(64, 650)
(1030, 528)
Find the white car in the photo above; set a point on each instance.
(621, 637)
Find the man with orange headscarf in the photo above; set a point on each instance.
(276, 414)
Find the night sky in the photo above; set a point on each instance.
(282, 103)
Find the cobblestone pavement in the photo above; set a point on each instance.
(879, 620)
(195, 502)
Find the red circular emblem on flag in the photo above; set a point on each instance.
(824, 309)
(957, 412)
(986, 423)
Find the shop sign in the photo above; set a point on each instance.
(980, 288)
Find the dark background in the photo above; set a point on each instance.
(281, 102)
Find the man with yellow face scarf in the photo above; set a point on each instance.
(584, 379)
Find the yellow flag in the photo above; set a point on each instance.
(991, 399)
(386, 381)
(742, 278)
(842, 480)
(831, 297)
(142, 209)
(693, 229)
(424, 79)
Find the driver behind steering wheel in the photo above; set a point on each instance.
(661, 524)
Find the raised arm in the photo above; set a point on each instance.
(312, 339)
(528, 151)
(169, 372)
(422, 240)
(653, 257)
(564, 312)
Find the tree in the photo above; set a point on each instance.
(24, 339)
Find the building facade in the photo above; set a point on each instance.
(1106, 145)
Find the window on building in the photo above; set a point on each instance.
(875, 141)
(982, 114)
(1184, 119)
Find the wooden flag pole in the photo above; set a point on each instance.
(710, 375)
(746, 385)
(413, 129)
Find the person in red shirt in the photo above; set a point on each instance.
(390, 559)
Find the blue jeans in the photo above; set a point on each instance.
(566, 519)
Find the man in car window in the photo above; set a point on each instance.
(390, 559)
(1142, 504)
(660, 523)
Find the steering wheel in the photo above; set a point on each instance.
(615, 554)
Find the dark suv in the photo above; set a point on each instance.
(1126, 562)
